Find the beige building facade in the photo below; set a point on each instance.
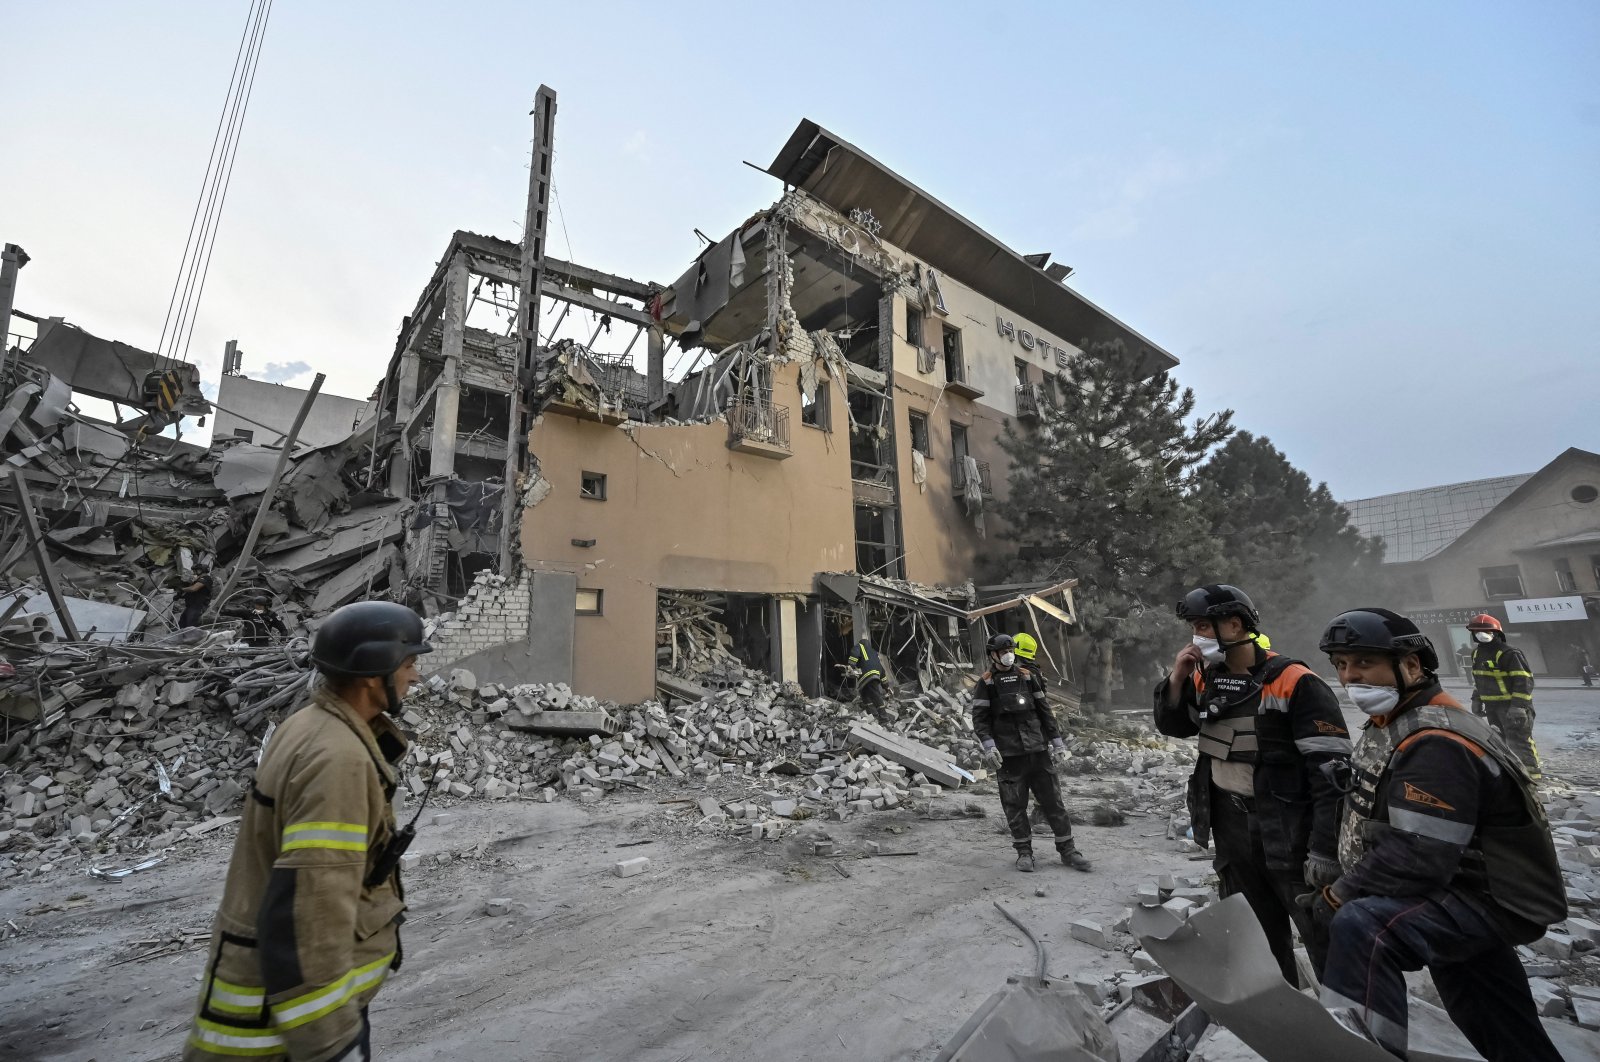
(829, 466)
(1524, 549)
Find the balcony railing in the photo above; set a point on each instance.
(959, 473)
(1030, 400)
(759, 427)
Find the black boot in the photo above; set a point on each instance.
(1073, 858)
(1025, 860)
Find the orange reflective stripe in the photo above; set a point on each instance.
(1473, 746)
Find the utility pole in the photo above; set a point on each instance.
(529, 299)
(12, 259)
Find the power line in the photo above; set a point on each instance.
(183, 307)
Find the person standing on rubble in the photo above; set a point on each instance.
(196, 597)
(1445, 854)
(1260, 793)
(1502, 689)
(309, 922)
(872, 681)
(1022, 742)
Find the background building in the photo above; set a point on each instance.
(1525, 549)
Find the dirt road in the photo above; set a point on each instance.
(725, 948)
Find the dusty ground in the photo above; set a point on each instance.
(724, 949)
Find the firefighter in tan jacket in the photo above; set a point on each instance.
(309, 925)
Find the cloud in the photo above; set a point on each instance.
(281, 372)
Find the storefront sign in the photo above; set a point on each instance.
(1545, 610)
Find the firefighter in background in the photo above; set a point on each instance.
(1021, 741)
(1445, 855)
(309, 924)
(872, 681)
(1027, 648)
(1502, 689)
(1269, 733)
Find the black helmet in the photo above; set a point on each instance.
(1001, 643)
(1381, 631)
(1217, 600)
(367, 638)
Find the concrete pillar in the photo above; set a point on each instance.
(786, 640)
(447, 398)
(656, 368)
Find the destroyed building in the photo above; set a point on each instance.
(826, 467)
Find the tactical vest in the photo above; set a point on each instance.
(1229, 706)
(1514, 866)
(1011, 691)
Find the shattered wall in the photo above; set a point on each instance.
(682, 511)
(508, 630)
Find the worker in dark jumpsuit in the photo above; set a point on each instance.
(871, 679)
(1021, 741)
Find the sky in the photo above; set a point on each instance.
(1369, 229)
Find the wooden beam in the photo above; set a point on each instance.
(41, 556)
(1014, 602)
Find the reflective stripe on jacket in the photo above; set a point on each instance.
(300, 944)
(865, 659)
(1500, 675)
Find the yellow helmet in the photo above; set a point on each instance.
(1026, 646)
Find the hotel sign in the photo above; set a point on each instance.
(1545, 610)
(1029, 341)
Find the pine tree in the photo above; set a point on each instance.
(1101, 490)
(1286, 543)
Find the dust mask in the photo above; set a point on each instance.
(1373, 700)
(1210, 649)
(1007, 659)
(1483, 636)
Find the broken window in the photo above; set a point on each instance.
(914, 325)
(593, 486)
(814, 410)
(1502, 581)
(919, 433)
(958, 442)
(590, 601)
(1022, 374)
(955, 370)
(867, 437)
(875, 549)
(244, 433)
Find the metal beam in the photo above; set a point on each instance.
(607, 282)
(47, 568)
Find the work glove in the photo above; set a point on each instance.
(1319, 870)
(991, 755)
(1322, 904)
(1058, 751)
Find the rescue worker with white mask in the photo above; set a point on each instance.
(1264, 793)
(1445, 855)
(1022, 742)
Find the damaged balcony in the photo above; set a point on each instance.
(759, 427)
(1031, 400)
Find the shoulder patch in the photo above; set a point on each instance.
(1325, 727)
(1425, 798)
